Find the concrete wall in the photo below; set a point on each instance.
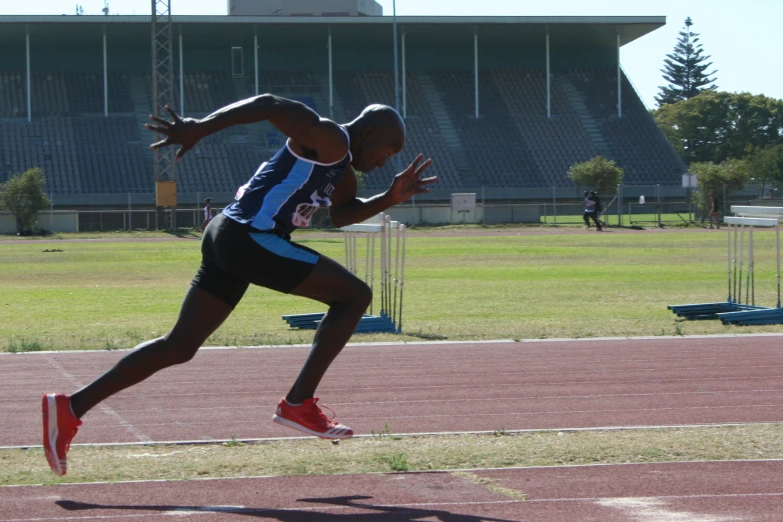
(421, 214)
(303, 7)
(430, 214)
(56, 221)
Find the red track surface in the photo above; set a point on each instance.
(683, 492)
(425, 388)
(417, 388)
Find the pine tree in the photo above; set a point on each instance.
(685, 68)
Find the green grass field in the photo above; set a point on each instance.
(514, 286)
(504, 282)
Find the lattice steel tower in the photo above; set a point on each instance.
(162, 95)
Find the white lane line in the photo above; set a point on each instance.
(455, 343)
(141, 436)
(417, 434)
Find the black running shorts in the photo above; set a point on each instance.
(236, 255)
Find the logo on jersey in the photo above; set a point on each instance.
(304, 211)
(241, 191)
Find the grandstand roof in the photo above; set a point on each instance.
(570, 30)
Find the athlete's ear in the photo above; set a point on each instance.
(368, 132)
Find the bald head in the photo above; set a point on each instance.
(386, 122)
(376, 135)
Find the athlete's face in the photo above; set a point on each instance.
(377, 148)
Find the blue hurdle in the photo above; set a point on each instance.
(733, 310)
(390, 236)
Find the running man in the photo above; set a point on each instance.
(250, 243)
(590, 211)
(714, 209)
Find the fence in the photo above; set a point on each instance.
(147, 219)
(631, 206)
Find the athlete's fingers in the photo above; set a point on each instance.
(182, 150)
(159, 144)
(160, 120)
(156, 128)
(415, 164)
(424, 166)
(430, 180)
(173, 114)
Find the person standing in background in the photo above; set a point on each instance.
(207, 213)
(599, 209)
(590, 211)
(714, 210)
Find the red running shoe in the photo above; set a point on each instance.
(59, 427)
(309, 418)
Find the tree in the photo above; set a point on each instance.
(23, 196)
(765, 167)
(715, 126)
(732, 173)
(599, 173)
(684, 69)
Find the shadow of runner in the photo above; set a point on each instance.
(384, 513)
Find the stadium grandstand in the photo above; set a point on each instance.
(504, 103)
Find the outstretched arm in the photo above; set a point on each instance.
(306, 129)
(348, 209)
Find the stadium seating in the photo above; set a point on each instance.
(108, 158)
(47, 143)
(13, 97)
(358, 90)
(555, 143)
(512, 144)
(636, 142)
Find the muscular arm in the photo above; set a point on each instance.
(348, 209)
(294, 119)
(314, 137)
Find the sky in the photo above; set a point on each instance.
(745, 44)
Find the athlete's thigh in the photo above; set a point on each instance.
(329, 281)
(201, 314)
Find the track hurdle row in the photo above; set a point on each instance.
(741, 269)
(383, 253)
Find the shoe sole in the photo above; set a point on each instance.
(51, 432)
(338, 434)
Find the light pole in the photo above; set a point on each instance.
(396, 77)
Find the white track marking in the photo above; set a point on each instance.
(653, 509)
(199, 510)
(202, 442)
(141, 436)
(446, 343)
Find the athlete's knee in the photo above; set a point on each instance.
(358, 295)
(175, 350)
(365, 295)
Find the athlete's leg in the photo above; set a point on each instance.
(348, 298)
(201, 314)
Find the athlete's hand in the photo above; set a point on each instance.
(183, 132)
(410, 182)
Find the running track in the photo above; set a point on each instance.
(425, 388)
